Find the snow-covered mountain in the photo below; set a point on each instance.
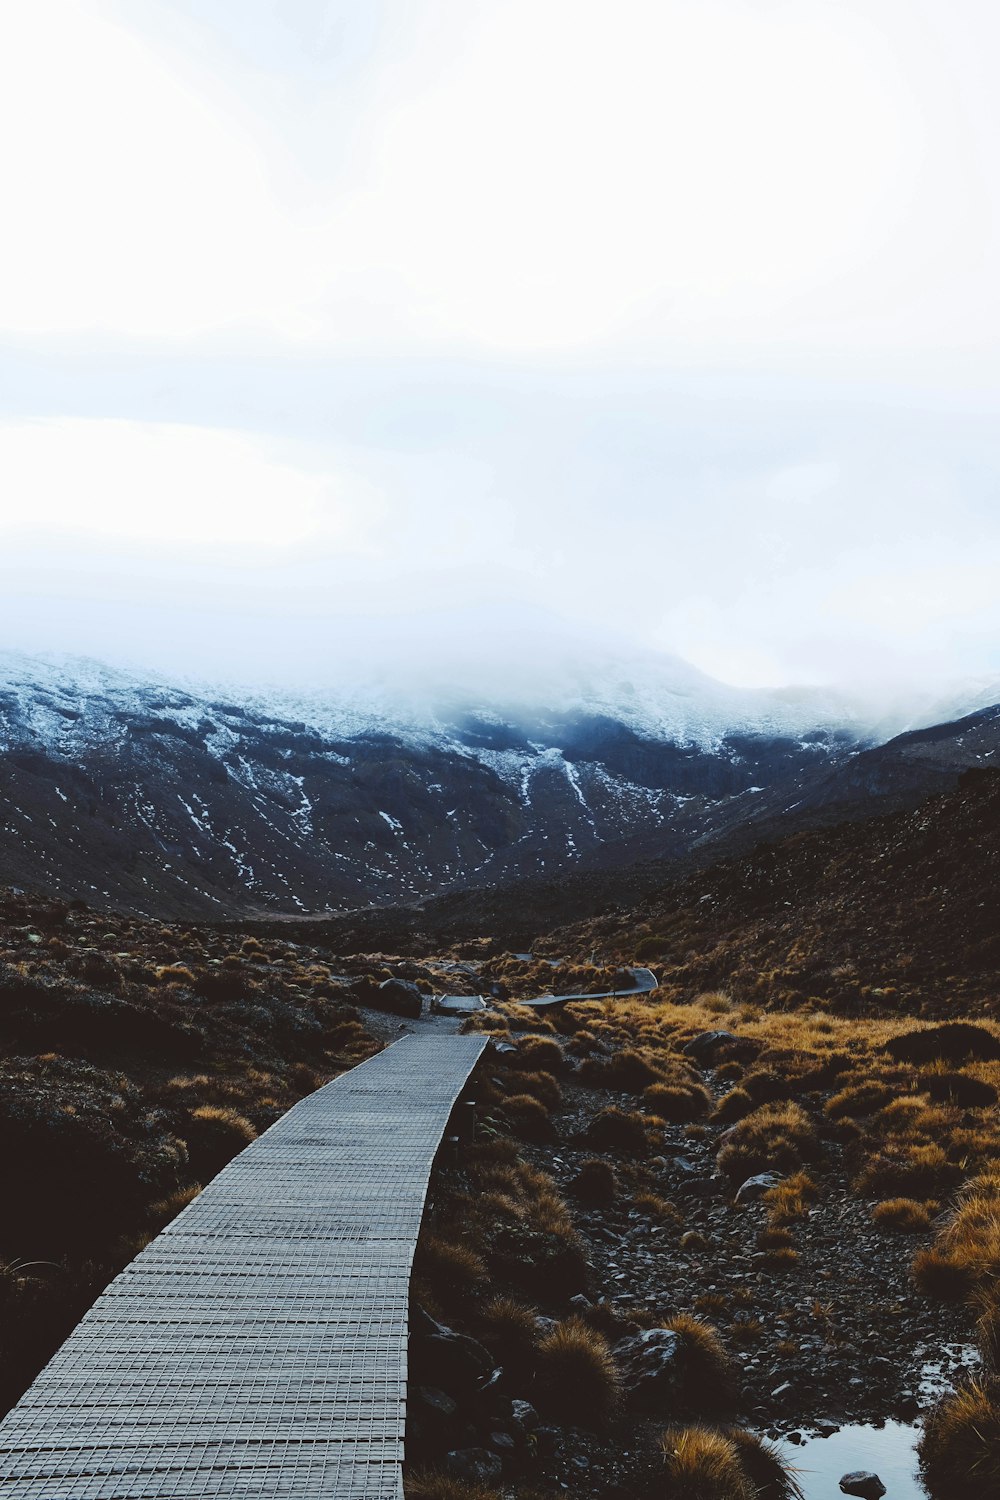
(187, 801)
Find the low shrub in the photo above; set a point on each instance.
(538, 1054)
(528, 1118)
(732, 1106)
(509, 1330)
(953, 1041)
(859, 1100)
(702, 1463)
(708, 1370)
(908, 1169)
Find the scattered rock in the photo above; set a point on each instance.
(755, 1187)
(708, 1047)
(444, 1359)
(474, 1465)
(399, 996)
(649, 1364)
(523, 1416)
(862, 1482)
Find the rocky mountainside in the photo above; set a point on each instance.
(158, 799)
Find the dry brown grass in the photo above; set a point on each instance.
(677, 1103)
(967, 1248)
(213, 1136)
(595, 1182)
(577, 1377)
(779, 1136)
(960, 1446)
(791, 1199)
(702, 1463)
(619, 1130)
(905, 1214)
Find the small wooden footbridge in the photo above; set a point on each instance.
(257, 1346)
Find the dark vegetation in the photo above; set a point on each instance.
(679, 1211)
(135, 1060)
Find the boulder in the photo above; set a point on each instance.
(401, 997)
(862, 1482)
(755, 1187)
(523, 1417)
(649, 1365)
(708, 1047)
(474, 1465)
(446, 1360)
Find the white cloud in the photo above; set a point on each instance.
(161, 484)
(533, 176)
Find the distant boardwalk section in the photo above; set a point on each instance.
(257, 1347)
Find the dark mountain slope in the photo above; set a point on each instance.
(899, 912)
(897, 776)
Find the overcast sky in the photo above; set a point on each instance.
(334, 327)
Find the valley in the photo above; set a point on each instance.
(702, 1229)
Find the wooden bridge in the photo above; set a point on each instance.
(257, 1346)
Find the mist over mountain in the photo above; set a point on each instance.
(165, 799)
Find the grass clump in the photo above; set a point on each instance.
(966, 1252)
(595, 1182)
(615, 1129)
(708, 1370)
(778, 1136)
(702, 1463)
(214, 1135)
(906, 1215)
(677, 1102)
(577, 1378)
(960, 1446)
(528, 1118)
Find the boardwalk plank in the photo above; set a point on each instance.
(257, 1346)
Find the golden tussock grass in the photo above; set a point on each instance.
(577, 1377)
(702, 1463)
(905, 1214)
(780, 1136)
(960, 1446)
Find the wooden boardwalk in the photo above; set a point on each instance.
(257, 1346)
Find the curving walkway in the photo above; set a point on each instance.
(257, 1346)
(645, 981)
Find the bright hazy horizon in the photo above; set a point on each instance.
(332, 331)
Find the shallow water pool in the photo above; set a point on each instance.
(889, 1452)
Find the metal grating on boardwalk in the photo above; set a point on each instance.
(257, 1347)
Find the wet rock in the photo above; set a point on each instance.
(864, 1483)
(474, 1465)
(523, 1417)
(444, 1359)
(826, 1429)
(649, 1364)
(503, 1443)
(755, 1187)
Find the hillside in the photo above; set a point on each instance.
(157, 799)
(899, 912)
